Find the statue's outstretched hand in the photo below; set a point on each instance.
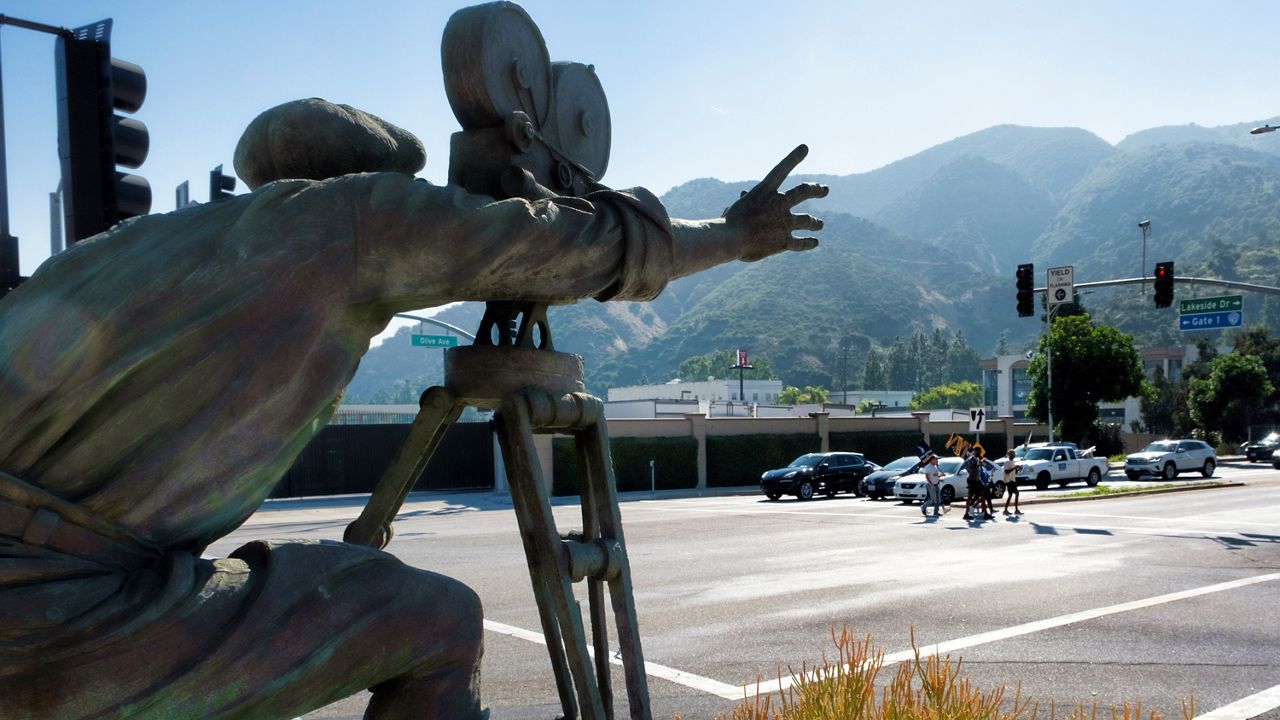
(762, 217)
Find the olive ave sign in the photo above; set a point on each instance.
(1211, 313)
(440, 341)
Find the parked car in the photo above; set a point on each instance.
(1275, 459)
(955, 482)
(812, 473)
(1262, 450)
(1061, 464)
(879, 484)
(1167, 458)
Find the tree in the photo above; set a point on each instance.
(963, 394)
(875, 376)
(1080, 351)
(1225, 402)
(1255, 341)
(720, 364)
(1159, 403)
(962, 361)
(792, 395)
(902, 366)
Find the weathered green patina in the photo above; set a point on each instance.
(156, 381)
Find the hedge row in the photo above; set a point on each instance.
(879, 447)
(675, 464)
(734, 460)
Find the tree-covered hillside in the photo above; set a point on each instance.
(1194, 194)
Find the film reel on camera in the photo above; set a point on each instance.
(531, 127)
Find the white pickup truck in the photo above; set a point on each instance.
(1060, 464)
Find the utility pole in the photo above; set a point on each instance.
(741, 367)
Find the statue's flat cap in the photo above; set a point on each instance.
(315, 139)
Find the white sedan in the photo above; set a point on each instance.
(955, 482)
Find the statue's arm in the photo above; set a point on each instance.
(420, 245)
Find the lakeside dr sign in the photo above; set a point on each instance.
(439, 341)
(1211, 313)
(1211, 304)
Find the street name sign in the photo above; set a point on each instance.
(435, 341)
(1211, 304)
(1061, 285)
(1211, 320)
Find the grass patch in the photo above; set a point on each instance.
(1100, 490)
(925, 688)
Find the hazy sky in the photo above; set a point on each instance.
(696, 88)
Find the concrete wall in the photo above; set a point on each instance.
(821, 424)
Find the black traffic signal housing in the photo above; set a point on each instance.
(93, 139)
(1164, 284)
(220, 186)
(1026, 290)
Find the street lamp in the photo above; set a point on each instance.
(1145, 227)
(1264, 129)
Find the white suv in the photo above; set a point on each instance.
(1167, 458)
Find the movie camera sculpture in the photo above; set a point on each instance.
(531, 129)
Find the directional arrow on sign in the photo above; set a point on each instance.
(976, 418)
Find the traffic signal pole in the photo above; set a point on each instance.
(10, 271)
(1232, 284)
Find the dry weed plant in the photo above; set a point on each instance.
(926, 688)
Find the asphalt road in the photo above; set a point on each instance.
(1140, 598)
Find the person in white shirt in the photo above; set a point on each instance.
(933, 484)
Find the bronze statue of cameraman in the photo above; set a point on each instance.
(157, 380)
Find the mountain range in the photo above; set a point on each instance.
(932, 241)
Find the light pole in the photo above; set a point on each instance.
(1145, 227)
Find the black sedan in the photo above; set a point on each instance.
(827, 473)
(1261, 450)
(880, 483)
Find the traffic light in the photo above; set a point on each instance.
(220, 186)
(1164, 284)
(92, 139)
(1026, 290)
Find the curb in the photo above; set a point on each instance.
(1131, 493)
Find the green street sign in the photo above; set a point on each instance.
(437, 341)
(1223, 303)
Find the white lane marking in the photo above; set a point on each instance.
(1085, 513)
(680, 677)
(731, 692)
(1245, 708)
(1027, 521)
(1047, 624)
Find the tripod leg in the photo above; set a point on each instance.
(595, 586)
(437, 411)
(603, 492)
(548, 565)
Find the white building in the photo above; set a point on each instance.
(1006, 384)
(713, 389)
